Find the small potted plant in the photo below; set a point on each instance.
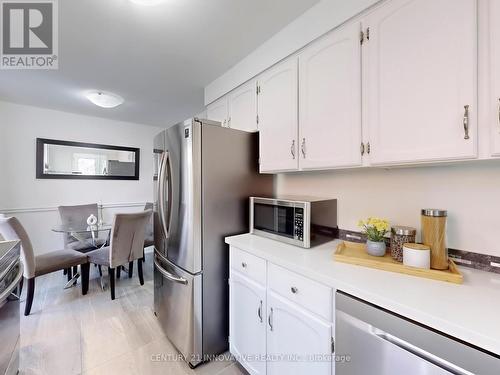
(375, 229)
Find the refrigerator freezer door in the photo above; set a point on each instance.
(177, 301)
(179, 196)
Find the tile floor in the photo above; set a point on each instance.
(68, 333)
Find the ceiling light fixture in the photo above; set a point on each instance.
(147, 2)
(104, 99)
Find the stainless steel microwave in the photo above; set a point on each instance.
(292, 220)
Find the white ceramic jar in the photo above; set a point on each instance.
(417, 255)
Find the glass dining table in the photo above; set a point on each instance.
(90, 237)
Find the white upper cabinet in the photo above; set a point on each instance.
(298, 336)
(247, 323)
(330, 101)
(494, 38)
(243, 107)
(218, 111)
(420, 79)
(278, 112)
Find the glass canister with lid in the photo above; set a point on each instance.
(399, 236)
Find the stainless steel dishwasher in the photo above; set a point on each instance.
(11, 272)
(372, 340)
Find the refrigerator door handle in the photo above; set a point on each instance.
(168, 275)
(165, 161)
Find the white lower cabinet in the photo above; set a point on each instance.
(298, 342)
(247, 325)
(273, 333)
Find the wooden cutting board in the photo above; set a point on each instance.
(355, 253)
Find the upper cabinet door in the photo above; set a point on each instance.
(218, 111)
(296, 335)
(278, 112)
(494, 25)
(243, 107)
(420, 59)
(330, 101)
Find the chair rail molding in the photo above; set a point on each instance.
(18, 210)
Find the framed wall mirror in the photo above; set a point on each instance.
(57, 159)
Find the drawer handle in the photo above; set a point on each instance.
(294, 290)
(243, 264)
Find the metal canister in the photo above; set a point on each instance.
(434, 235)
(400, 235)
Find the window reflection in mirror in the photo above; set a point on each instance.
(66, 159)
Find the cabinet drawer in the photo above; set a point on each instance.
(307, 293)
(249, 265)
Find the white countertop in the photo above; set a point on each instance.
(470, 311)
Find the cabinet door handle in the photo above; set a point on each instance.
(303, 148)
(229, 122)
(224, 123)
(294, 290)
(466, 122)
(270, 320)
(292, 149)
(498, 111)
(259, 311)
(243, 264)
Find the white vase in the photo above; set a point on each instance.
(91, 220)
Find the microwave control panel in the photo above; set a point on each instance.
(299, 224)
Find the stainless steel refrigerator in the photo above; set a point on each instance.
(204, 175)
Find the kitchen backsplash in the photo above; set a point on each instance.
(469, 191)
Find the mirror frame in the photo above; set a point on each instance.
(41, 142)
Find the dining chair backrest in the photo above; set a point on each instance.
(149, 225)
(12, 230)
(127, 237)
(76, 216)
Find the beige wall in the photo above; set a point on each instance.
(470, 192)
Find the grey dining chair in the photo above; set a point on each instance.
(126, 245)
(38, 265)
(77, 216)
(148, 241)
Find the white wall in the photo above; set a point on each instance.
(318, 20)
(35, 201)
(470, 192)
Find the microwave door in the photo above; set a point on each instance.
(274, 219)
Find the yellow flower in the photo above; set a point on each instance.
(381, 225)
